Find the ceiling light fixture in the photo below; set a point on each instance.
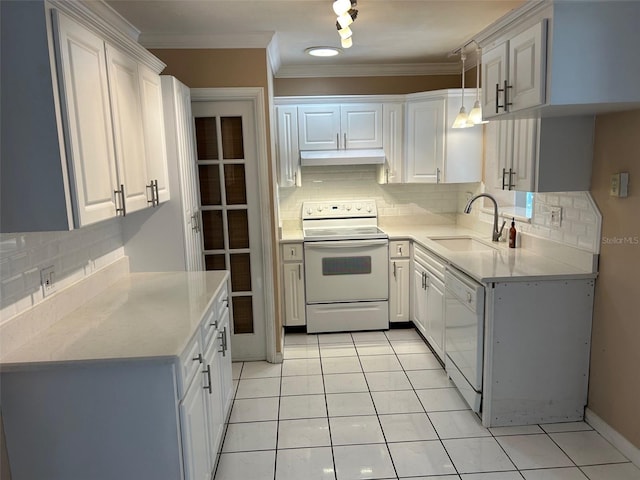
(323, 51)
(462, 119)
(475, 115)
(347, 14)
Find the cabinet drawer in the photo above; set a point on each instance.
(211, 321)
(399, 249)
(430, 261)
(190, 363)
(292, 252)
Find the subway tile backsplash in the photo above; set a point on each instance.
(74, 255)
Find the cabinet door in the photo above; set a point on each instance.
(87, 115)
(154, 136)
(124, 90)
(294, 300)
(525, 143)
(319, 127)
(361, 126)
(393, 141)
(527, 68)
(419, 297)
(435, 314)
(213, 398)
(195, 437)
(288, 153)
(494, 73)
(498, 153)
(399, 276)
(425, 140)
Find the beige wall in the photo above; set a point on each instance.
(369, 85)
(614, 385)
(219, 68)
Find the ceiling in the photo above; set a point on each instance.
(399, 33)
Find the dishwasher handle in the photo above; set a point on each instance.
(466, 290)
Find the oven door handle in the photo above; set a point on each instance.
(335, 244)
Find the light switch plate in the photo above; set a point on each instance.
(619, 186)
(555, 216)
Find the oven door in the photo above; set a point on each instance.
(346, 270)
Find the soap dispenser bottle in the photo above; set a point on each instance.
(512, 234)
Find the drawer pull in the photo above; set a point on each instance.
(198, 358)
(208, 373)
(214, 324)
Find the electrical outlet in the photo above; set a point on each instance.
(48, 280)
(555, 216)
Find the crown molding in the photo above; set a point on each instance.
(213, 40)
(368, 70)
(273, 54)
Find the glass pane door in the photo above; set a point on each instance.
(225, 216)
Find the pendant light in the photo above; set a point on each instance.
(475, 115)
(462, 120)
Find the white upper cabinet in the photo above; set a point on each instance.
(287, 150)
(549, 154)
(558, 58)
(435, 152)
(393, 142)
(124, 87)
(513, 73)
(154, 134)
(82, 119)
(85, 92)
(336, 127)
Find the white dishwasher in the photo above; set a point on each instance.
(464, 334)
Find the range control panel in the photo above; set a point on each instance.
(340, 209)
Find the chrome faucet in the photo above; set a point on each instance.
(496, 233)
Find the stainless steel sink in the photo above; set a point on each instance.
(462, 244)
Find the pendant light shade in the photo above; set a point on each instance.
(475, 115)
(346, 42)
(462, 119)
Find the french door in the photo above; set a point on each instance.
(229, 199)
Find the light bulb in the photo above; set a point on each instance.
(340, 7)
(346, 42)
(345, 32)
(345, 20)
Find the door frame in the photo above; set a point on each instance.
(255, 95)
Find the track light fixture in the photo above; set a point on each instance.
(346, 12)
(462, 120)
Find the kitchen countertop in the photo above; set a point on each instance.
(143, 316)
(493, 265)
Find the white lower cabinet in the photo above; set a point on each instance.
(428, 298)
(399, 281)
(293, 280)
(157, 418)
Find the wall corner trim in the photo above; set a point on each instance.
(628, 449)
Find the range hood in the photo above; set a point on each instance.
(373, 156)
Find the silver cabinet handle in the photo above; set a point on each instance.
(498, 106)
(214, 324)
(400, 250)
(197, 358)
(504, 172)
(507, 103)
(123, 207)
(345, 141)
(511, 174)
(208, 373)
(153, 194)
(437, 175)
(338, 141)
(299, 271)
(394, 270)
(157, 193)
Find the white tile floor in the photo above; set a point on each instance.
(377, 405)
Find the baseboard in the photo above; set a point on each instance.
(628, 449)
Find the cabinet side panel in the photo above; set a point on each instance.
(100, 422)
(33, 176)
(540, 343)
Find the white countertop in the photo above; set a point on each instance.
(499, 264)
(143, 316)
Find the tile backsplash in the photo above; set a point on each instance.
(421, 203)
(74, 255)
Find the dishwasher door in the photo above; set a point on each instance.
(464, 334)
